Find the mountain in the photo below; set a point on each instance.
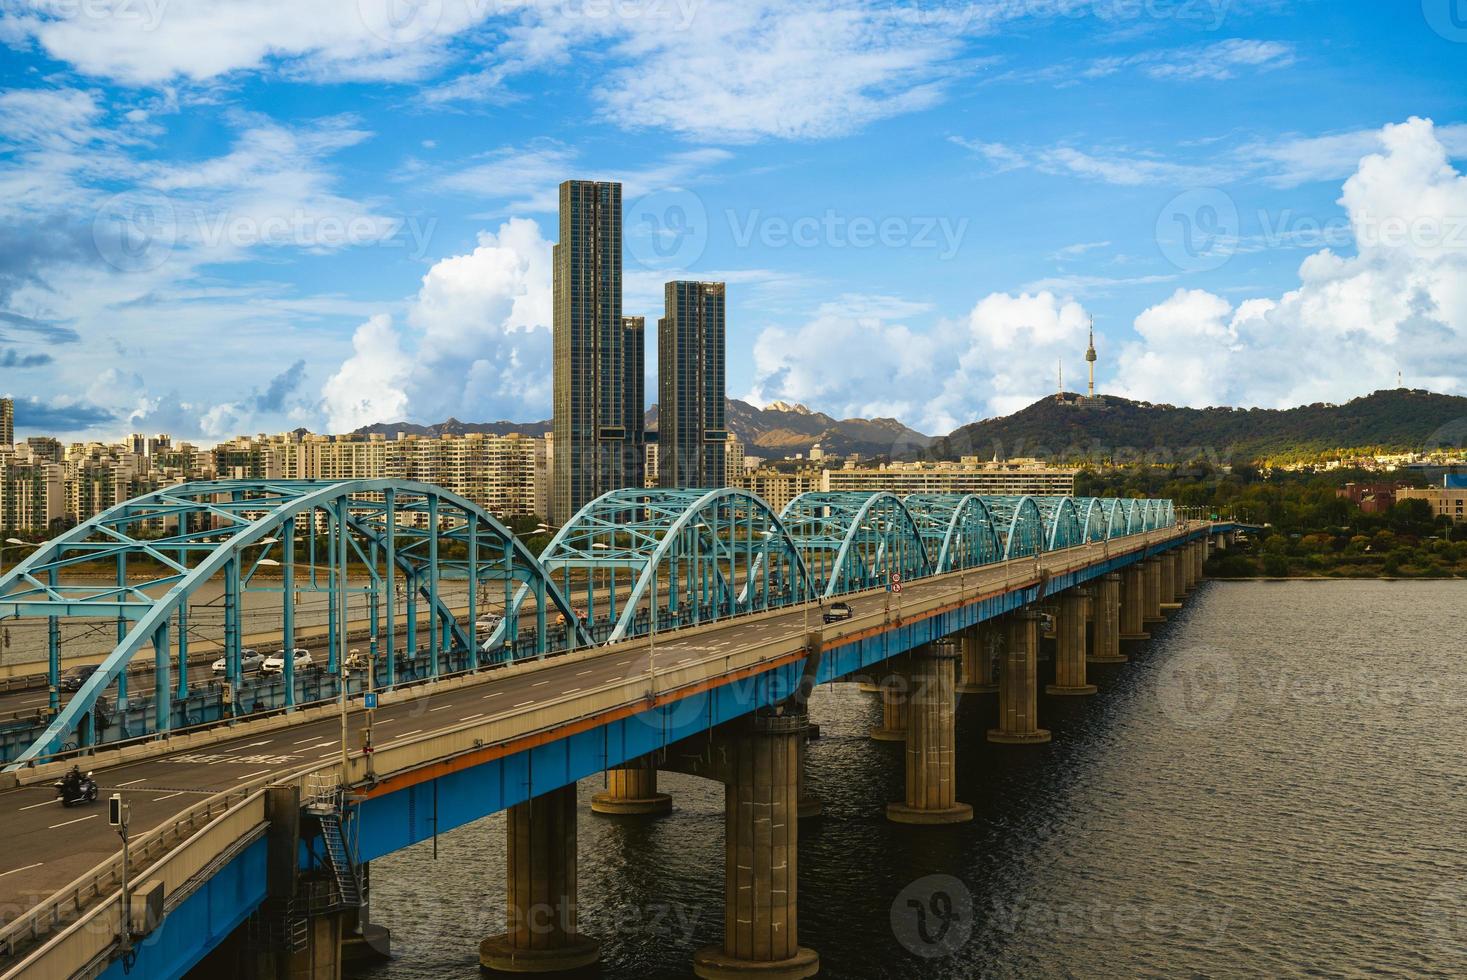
(1393, 420)
(777, 431)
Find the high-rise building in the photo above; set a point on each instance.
(589, 398)
(634, 409)
(692, 430)
(7, 421)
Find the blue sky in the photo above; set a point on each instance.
(238, 217)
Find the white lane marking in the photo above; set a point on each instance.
(34, 805)
(494, 695)
(441, 707)
(131, 781)
(320, 745)
(682, 661)
(472, 717)
(523, 703)
(330, 755)
(539, 683)
(582, 673)
(252, 775)
(406, 734)
(26, 868)
(305, 740)
(571, 690)
(253, 744)
(168, 797)
(387, 721)
(67, 823)
(622, 663)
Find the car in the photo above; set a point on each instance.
(488, 624)
(837, 611)
(248, 660)
(75, 677)
(275, 663)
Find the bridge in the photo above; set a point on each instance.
(659, 629)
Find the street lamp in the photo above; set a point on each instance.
(11, 543)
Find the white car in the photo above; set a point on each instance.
(248, 660)
(488, 624)
(275, 663)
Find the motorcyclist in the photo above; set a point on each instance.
(74, 781)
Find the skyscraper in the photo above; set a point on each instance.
(589, 400)
(7, 421)
(634, 386)
(691, 412)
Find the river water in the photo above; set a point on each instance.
(1276, 785)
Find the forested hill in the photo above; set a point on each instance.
(1394, 420)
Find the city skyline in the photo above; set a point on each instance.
(960, 187)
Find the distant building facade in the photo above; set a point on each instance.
(1447, 500)
(7, 421)
(692, 426)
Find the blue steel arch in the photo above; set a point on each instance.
(232, 527)
(1117, 516)
(1135, 515)
(957, 528)
(1020, 525)
(691, 555)
(1094, 518)
(854, 540)
(1062, 527)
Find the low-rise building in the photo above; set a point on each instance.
(1447, 500)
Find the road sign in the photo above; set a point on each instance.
(370, 699)
(894, 581)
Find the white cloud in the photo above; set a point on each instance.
(1400, 303)
(476, 344)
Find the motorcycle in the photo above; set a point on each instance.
(83, 790)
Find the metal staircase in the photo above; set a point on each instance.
(338, 856)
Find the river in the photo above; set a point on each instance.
(1276, 785)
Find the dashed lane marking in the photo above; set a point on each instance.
(523, 703)
(130, 782)
(406, 734)
(472, 717)
(494, 695)
(34, 805)
(252, 775)
(67, 823)
(26, 868)
(168, 797)
(441, 707)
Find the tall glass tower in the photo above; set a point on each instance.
(589, 399)
(692, 427)
(634, 349)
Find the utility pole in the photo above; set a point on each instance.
(118, 814)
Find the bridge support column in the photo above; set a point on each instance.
(896, 684)
(1133, 603)
(631, 790)
(1018, 710)
(761, 846)
(541, 916)
(1194, 565)
(1151, 591)
(1069, 645)
(932, 741)
(1105, 605)
(979, 644)
(1219, 542)
(1171, 581)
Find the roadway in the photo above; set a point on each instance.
(49, 846)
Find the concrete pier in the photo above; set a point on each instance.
(1018, 710)
(761, 800)
(931, 758)
(896, 685)
(1105, 627)
(1133, 603)
(541, 934)
(1069, 650)
(1171, 582)
(631, 790)
(980, 645)
(1151, 591)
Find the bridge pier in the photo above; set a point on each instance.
(978, 644)
(1171, 582)
(1018, 711)
(1105, 606)
(1151, 591)
(931, 757)
(1133, 603)
(631, 790)
(541, 935)
(1069, 645)
(761, 824)
(896, 685)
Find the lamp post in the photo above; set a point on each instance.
(11, 544)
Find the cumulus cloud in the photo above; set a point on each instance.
(1398, 304)
(476, 342)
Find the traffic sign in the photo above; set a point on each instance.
(370, 699)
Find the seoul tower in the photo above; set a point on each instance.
(1090, 356)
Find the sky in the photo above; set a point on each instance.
(220, 218)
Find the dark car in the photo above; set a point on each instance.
(837, 611)
(75, 677)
